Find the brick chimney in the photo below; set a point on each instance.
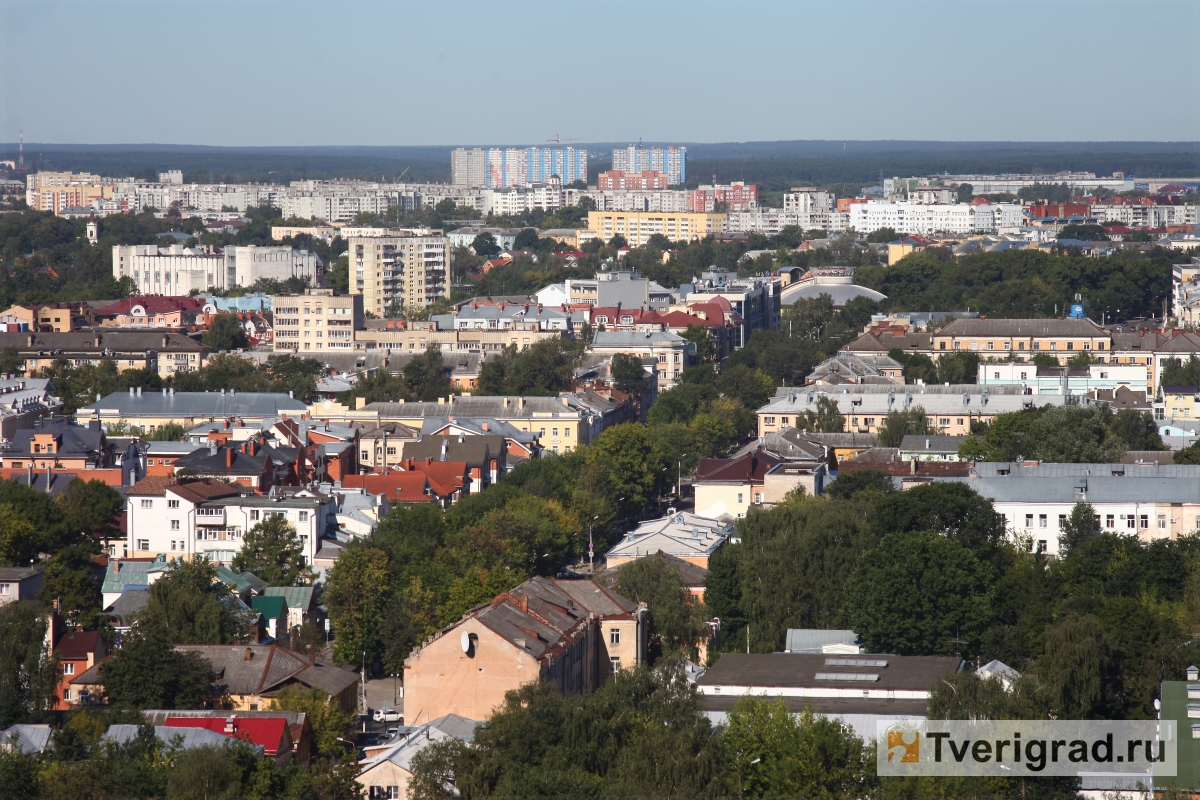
(228, 457)
(249, 654)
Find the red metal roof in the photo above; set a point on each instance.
(272, 733)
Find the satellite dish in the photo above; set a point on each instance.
(465, 640)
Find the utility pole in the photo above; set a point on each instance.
(679, 476)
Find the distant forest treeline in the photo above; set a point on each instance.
(775, 166)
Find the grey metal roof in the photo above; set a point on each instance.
(421, 736)
(19, 573)
(859, 403)
(787, 670)
(1034, 469)
(933, 443)
(26, 738)
(490, 407)
(171, 448)
(839, 293)
(1105, 488)
(633, 339)
(295, 596)
(1023, 327)
(129, 604)
(811, 640)
(187, 738)
(218, 405)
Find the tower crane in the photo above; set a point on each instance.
(560, 139)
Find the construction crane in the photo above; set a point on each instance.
(402, 174)
(560, 139)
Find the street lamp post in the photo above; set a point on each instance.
(592, 547)
(679, 476)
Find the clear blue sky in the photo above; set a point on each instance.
(469, 71)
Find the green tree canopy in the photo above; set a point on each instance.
(189, 605)
(677, 622)
(147, 672)
(225, 332)
(28, 672)
(272, 551)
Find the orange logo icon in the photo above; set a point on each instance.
(904, 747)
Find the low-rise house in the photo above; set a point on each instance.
(27, 739)
(164, 353)
(274, 611)
(732, 485)
(931, 447)
(1178, 403)
(253, 466)
(397, 487)
(123, 611)
(298, 600)
(251, 675)
(571, 634)
(856, 368)
(272, 734)
(20, 583)
(859, 690)
(77, 652)
(484, 455)
(1065, 380)
(450, 480)
(187, 738)
(798, 444)
(161, 456)
(519, 445)
(387, 773)
(532, 414)
(130, 574)
(299, 725)
(59, 444)
(1123, 398)
(682, 535)
(670, 352)
(245, 585)
(152, 311)
(381, 444)
(791, 476)
(162, 518)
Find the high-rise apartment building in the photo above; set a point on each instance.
(316, 320)
(736, 196)
(503, 167)
(672, 161)
(637, 228)
(411, 271)
(57, 191)
(618, 180)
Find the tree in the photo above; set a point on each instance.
(965, 192)
(328, 720)
(1136, 429)
(355, 594)
(629, 375)
(191, 606)
(527, 239)
(919, 594)
(851, 482)
(1083, 233)
(1082, 524)
(827, 418)
(19, 539)
(485, 245)
(11, 362)
(147, 672)
(91, 510)
(882, 236)
(68, 579)
(770, 752)
(272, 551)
(225, 332)
(706, 348)
(625, 452)
(1043, 359)
(210, 772)
(170, 432)
(677, 622)
(958, 367)
(28, 671)
(1075, 668)
(1176, 372)
(898, 424)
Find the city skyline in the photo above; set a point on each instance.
(858, 78)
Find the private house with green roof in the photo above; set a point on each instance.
(299, 601)
(274, 611)
(127, 573)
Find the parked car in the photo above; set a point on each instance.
(388, 715)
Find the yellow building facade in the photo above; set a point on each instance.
(638, 226)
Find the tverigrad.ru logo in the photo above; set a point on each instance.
(1027, 747)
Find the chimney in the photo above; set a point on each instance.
(49, 478)
(914, 466)
(230, 722)
(228, 457)
(485, 427)
(166, 340)
(249, 654)
(116, 562)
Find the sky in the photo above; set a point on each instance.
(256, 73)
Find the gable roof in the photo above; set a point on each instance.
(192, 405)
(268, 668)
(270, 607)
(189, 737)
(680, 535)
(26, 738)
(397, 486)
(749, 468)
(78, 645)
(295, 596)
(273, 734)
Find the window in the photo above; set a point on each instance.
(69, 668)
(1024, 375)
(142, 544)
(1008, 345)
(960, 422)
(1041, 520)
(1020, 345)
(991, 345)
(172, 544)
(944, 422)
(366, 456)
(1041, 546)
(171, 503)
(614, 636)
(941, 345)
(5, 589)
(147, 504)
(1162, 522)
(958, 345)
(740, 498)
(1130, 522)
(1144, 520)
(1054, 345)
(174, 524)
(567, 432)
(254, 514)
(1109, 522)
(616, 664)
(758, 497)
(304, 516)
(1062, 521)
(996, 375)
(67, 692)
(391, 451)
(768, 420)
(554, 432)
(1029, 520)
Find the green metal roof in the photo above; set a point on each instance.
(295, 596)
(269, 607)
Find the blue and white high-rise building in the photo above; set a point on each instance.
(501, 168)
(670, 161)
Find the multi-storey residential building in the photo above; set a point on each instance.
(422, 335)
(316, 320)
(652, 200)
(638, 227)
(756, 301)
(1058, 337)
(646, 179)
(503, 167)
(57, 191)
(144, 413)
(165, 353)
(669, 352)
(152, 311)
(671, 161)
(516, 200)
(409, 271)
(950, 409)
(209, 518)
(1076, 381)
(736, 196)
(178, 270)
(916, 218)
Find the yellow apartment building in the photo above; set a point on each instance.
(638, 226)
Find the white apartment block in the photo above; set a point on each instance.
(316, 320)
(191, 519)
(909, 218)
(520, 200)
(177, 270)
(413, 271)
(1149, 216)
(468, 167)
(669, 201)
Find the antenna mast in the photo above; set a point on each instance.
(21, 150)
